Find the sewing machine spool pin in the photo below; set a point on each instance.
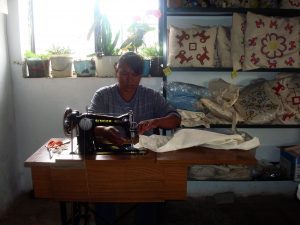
(69, 125)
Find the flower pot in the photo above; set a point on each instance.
(85, 68)
(61, 66)
(105, 66)
(37, 67)
(156, 69)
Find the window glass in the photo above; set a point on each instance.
(66, 23)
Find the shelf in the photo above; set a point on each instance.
(252, 126)
(185, 15)
(241, 180)
(229, 11)
(290, 70)
(256, 125)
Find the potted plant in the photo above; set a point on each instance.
(61, 61)
(37, 65)
(154, 54)
(105, 46)
(137, 31)
(85, 67)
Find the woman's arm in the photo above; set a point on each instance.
(170, 121)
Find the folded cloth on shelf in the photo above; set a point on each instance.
(186, 138)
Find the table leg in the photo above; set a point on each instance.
(63, 213)
(76, 214)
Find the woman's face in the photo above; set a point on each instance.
(128, 80)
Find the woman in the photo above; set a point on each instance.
(150, 109)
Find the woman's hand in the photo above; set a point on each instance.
(110, 134)
(168, 122)
(146, 125)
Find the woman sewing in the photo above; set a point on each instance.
(150, 110)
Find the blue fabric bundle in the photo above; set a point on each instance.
(186, 96)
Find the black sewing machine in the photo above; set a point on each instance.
(85, 123)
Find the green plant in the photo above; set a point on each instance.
(59, 50)
(31, 55)
(105, 43)
(137, 31)
(150, 52)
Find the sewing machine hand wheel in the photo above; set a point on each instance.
(67, 124)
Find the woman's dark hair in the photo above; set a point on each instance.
(133, 60)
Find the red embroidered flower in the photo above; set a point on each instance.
(294, 3)
(273, 46)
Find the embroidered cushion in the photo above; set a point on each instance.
(192, 47)
(257, 104)
(224, 46)
(290, 4)
(237, 40)
(286, 88)
(271, 42)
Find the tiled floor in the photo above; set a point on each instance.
(214, 210)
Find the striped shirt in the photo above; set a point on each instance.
(146, 104)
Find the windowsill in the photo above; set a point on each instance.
(83, 77)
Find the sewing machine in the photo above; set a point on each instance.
(84, 125)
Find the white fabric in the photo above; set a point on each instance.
(152, 142)
(193, 119)
(187, 138)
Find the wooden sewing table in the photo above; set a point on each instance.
(153, 177)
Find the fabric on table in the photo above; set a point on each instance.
(186, 138)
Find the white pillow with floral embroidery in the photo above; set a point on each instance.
(290, 4)
(192, 47)
(237, 40)
(271, 42)
(286, 89)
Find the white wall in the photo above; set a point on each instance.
(40, 104)
(8, 156)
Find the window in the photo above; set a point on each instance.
(66, 23)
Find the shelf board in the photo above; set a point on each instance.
(288, 70)
(256, 125)
(229, 11)
(241, 180)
